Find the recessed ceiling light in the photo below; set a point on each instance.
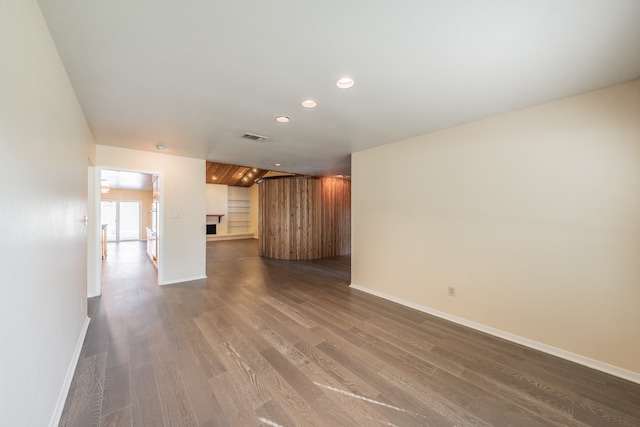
(215, 178)
(160, 147)
(277, 164)
(345, 83)
(309, 103)
(283, 119)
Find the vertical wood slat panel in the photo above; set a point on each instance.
(304, 218)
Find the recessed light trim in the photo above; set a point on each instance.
(345, 83)
(309, 103)
(160, 147)
(283, 119)
(277, 164)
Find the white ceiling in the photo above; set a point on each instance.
(121, 180)
(195, 75)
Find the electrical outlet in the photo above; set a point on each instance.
(81, 303)
(452, 291)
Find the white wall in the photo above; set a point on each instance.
(46, 145)
(533, 216)
(182, 240)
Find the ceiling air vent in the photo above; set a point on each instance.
(254, 137)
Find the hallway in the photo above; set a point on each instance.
(277, 343)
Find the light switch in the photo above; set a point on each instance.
(175, 215)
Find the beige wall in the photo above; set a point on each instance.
(182, 239)
(46, 146)
(533, 217)
(144, 197)
(218, 203)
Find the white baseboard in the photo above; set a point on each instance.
(554, 351)
(186, 279)
(62, 398)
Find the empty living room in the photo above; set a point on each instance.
(289, 213)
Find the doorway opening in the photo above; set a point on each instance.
(122, 219)
(127, 205)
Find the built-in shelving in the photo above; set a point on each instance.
(239, 220)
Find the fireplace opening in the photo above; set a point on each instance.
(211, 228)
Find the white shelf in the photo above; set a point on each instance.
(239, 220)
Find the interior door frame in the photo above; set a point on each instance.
(96, 260)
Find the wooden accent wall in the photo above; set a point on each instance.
(304, 217)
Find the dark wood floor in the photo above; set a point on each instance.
(280, 343)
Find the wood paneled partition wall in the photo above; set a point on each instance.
(304, 217)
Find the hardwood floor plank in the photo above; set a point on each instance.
(176, 409)
(290, 311)
(299, 331)
(97, 340)
(270, 414)
(337, 328)
(355, 406)
(516, 405)
(261, 324)
(117, 389)
(239, 352)
(345, 378)
(414, 348)
(118, 351)
(331, 414)
(291, 373)
(203, 402)
(456, 415)
(214, 327)
(146, 407)
(207, 358)
(235, 404)
(121, 418)
(86, 406)
(139, 353)
(595, 415)
(398, 356)
(295, 407)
